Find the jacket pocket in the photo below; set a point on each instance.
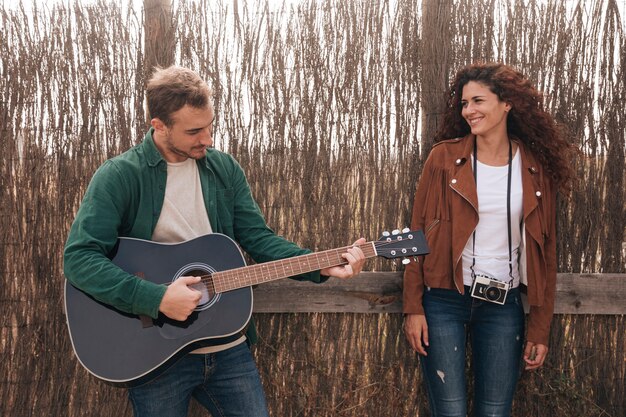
(437, 264)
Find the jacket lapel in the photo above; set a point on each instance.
(462, 180)
(532, 192)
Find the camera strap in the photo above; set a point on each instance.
(508, 209)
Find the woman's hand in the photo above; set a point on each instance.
(416, 332)
(534, 355)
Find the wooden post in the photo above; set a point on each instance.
(436, 59)
(159, 37)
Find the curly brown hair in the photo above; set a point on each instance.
(527, 120)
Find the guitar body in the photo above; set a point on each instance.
(118, 348)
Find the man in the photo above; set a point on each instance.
(171, 188)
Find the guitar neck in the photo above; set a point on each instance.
(246, 276)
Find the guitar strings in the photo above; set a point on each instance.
(259, 273)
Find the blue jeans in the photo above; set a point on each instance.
(226, 383)
(496, 334)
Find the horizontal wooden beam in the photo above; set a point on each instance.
(381, 292)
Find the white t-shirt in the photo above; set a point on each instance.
(492, 241)
(184, 217)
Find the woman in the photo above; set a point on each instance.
(486, 201)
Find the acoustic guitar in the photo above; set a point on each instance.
(128, 350)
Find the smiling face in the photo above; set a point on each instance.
(483, 111)
(188, 136)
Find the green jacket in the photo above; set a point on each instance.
(125, 197)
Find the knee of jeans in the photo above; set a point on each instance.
(447, 391)
(449, 407)
(492, 408)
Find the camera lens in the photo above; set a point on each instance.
(492, 293)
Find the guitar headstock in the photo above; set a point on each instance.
(403, 244)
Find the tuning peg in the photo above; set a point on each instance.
(386, 233)
(406, 261)
(406, 230)
(395, 232)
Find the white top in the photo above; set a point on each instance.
(492, 241)
(184, 216)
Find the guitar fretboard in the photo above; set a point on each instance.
(246, 276)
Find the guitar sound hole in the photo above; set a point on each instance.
(205, 286)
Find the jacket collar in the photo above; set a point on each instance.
(463, 180)
(153, 156)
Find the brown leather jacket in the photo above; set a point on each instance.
(445, 208)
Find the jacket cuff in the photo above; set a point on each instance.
(318, 278)
(415, 309)
(148, 296)
(538, 326)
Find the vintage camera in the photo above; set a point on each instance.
(489, 289)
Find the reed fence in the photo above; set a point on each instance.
(330, 107)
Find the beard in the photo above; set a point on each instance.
(195, 152)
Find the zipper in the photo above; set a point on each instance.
(465, 198)
(431, 226)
